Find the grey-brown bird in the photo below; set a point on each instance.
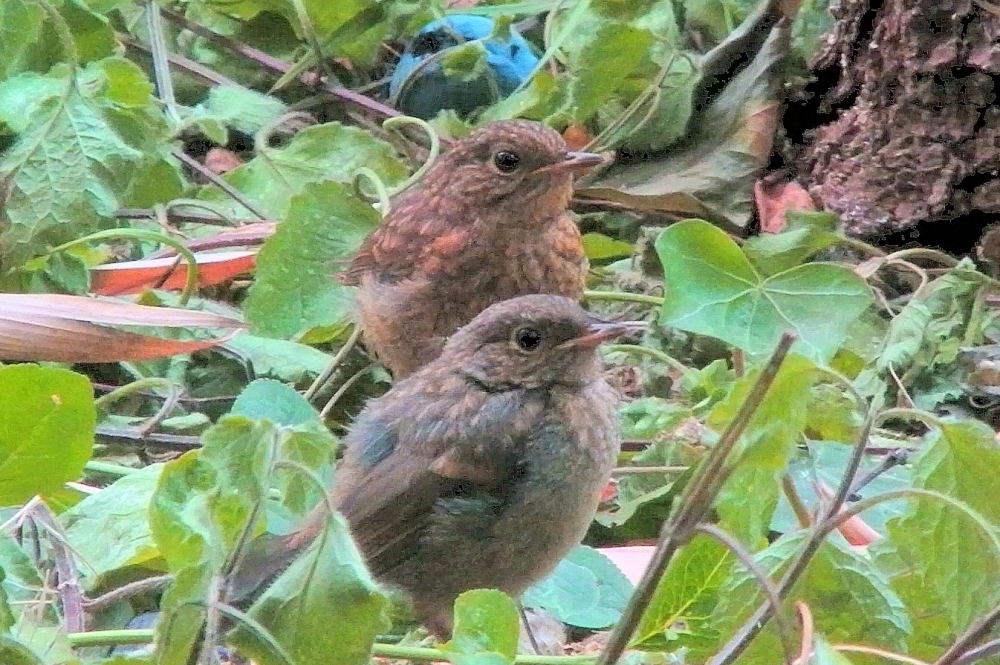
(482, 469)
(487, 223)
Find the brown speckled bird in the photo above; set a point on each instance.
(488, 222)
(482, 469)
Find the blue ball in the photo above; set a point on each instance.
(424, 92)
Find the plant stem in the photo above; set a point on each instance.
(109, 469)
(650, 352)
(622, 296)
(693, 506)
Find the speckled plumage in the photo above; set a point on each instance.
(466, 237)
(485, 467)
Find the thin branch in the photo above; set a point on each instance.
(182, 441)
(975, 633)
(334, 363)
(693, 507)
(274, 64)
(127, 591)
(196, 69)
(328, 407)
(881, 653)
(69, 581)
(219, 182)
(985, 650)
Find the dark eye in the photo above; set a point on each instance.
(429, 42)
(506, 161)
(527, 339)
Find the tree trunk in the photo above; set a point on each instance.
(906, 89)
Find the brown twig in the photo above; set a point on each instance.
(180, 441)
(274, 64)
(976, 632)
(984, 650)
(192, 217)
(746, 558)
(69, 581)
(693, 507)
(190, 66)
(126, 591)
(236, 194)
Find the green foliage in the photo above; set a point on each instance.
(486, 629)
(294, 292)
(713, 289)
(586, 590)
(46, 430)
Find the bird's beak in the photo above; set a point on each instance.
(598, 333)
(574, 161)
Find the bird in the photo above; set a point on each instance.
(421, 86)
(481, 470)
(488, 222)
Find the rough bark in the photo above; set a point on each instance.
(914, 134)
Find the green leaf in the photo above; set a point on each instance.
(110, 530)
(21, 25)
(805, 234)
(13, 652)
(680, 613)
(277, 402)
(85, 147)
(21, 579)
(600, 247)
(202, 504)
(325, 603)
(727, 144)
(600, 69)
(585, 590)
(824, 654)
(242, 109)
(851, 601)
(315, 155)
(295, 289)
(712, 289)
(940, 561)
(486, 629)
(466, 62)
(291, 362)
(46, 430)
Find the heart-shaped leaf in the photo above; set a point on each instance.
(713, 289)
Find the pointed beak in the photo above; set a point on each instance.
(574, 161)
(598, 333)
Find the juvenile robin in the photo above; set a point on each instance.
(487, 223)
(482, 469)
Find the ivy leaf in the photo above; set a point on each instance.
(85, 147)
(331, 152)
(943, 565)
(46, 430)
(295, 290)
(586, 590)
(486, 629)
(805, 234)
(713, 289)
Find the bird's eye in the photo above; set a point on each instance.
(506, 161)
(527, 339)
(429, 42)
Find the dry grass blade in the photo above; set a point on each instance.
(61, 328)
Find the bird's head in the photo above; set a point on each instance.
(508, 167)
(533, 341)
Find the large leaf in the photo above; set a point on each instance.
(315, 155)
(325, 603)
(943, 565)
(713, 289)
(586, 589)
(110, 530)
(87, 144)
(710, 173)
(46, 430)
(295, 289)
(851, 601)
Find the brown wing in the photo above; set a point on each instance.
(391, 506)
(415, 238)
